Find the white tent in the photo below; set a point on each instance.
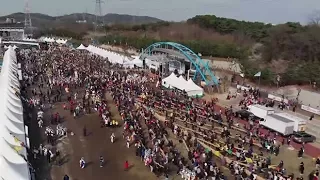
(193, 89)
(30, 39)
(181, 84)
(135, 62)
(50, 40)
(170, 81)
(12, 128)
(7, 135)
(10, 154)
(81, 47)
(113, 57)
(13, 171)
(182, 80)
(61, 41)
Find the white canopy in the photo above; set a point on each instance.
(61, 41)
(113, 57)
(135, 62)
(81, 47)
(170, 81)
(12, 132)
(181, 84)
(49, 40)
(13, 171)
(30, 39)
(193, 89)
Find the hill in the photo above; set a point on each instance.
(43, 20)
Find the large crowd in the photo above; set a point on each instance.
(80, 79)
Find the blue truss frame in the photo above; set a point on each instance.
(201, 67)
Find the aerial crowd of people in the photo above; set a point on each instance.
(154, 120)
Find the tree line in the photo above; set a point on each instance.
(60, 32)
(256, 30)
(206, 48)
(297, 45)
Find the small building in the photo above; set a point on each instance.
(10, 20)
(12, 31)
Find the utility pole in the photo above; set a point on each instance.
(27, 19)
(98, 13)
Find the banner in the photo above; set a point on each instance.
(277, 98)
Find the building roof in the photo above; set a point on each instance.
(280, 118)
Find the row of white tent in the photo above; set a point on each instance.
(7, 47)
(113, 57)
(180, 83)
(52, 40)
(30, 39)
(13, 136)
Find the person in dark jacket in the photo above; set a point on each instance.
(66, 177)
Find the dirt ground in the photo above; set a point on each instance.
(91, 147)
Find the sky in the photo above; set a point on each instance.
(269, 11)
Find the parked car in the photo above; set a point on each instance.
(246, 115)
(303, 137)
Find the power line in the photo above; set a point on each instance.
(98, 13)
(27, 18)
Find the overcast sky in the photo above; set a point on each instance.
(273, 11)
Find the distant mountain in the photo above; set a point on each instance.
(43, 20)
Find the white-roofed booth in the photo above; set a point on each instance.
(180, 83)
(14, 140)
(81, 47)
(113, 57)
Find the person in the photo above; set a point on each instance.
(82, 163)
(300, 153)
(311, 117)
(301, 168)
(126, 165)
(112, 137)
(66, 177)
(84, 131)
(318, 163)
(128, 142)
(101, 160)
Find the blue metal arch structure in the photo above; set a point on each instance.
(201, 67)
